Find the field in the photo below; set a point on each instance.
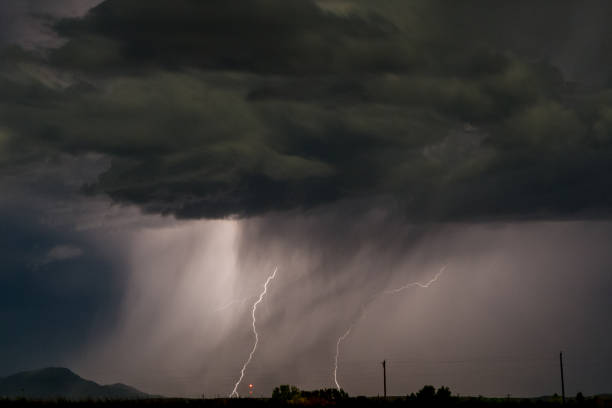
(409, 401)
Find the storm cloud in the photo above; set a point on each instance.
(28, 22)
(279, 105)
(158, 159)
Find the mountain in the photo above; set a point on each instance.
(58, 382)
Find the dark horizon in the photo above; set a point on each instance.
(60, 383)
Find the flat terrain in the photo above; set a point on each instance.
(458, 402)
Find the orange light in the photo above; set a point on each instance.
(250, 385)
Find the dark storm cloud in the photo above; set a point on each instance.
(290, 37)
(62, 277)
(28, 22)
(212, 110)
(56, 292)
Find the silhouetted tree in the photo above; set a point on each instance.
(443, 394)
(426, 394)
(285, 392)
(327, 394)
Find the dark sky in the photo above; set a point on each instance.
(159, 159)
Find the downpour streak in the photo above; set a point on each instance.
(232, 303)
(234, 392)
(363, 310)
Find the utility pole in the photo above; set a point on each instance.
(562, 380)
(384, 364)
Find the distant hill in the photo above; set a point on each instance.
(58, 382)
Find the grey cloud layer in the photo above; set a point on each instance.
(213, 111)
(28, 22)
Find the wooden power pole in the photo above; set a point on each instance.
(562, 380)
(384, 364)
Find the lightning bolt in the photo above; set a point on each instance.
(420, 285)
(363, 311)
(348, 331)
(234, 392)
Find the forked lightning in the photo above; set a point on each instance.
(363, 308)
(234, 392)
(338, 354)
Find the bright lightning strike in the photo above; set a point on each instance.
(234, 392)
(421, 285)
(363, 309)
(338, 354)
